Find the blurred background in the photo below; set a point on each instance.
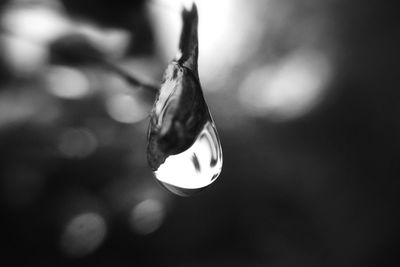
(305, 97)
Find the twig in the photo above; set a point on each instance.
(131, 79)
(127, 76)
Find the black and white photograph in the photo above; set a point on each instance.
(199, 133)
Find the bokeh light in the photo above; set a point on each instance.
(304, 95)
(288, 89)
(36, 23)
(66, 82)
(147, 216)
(15, 108)
(19, 106)
(77, 143)
(223, 44)
(126, 108)
(83, 234)
(24, 57)
(111, 41)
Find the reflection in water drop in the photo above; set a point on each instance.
(195, 168)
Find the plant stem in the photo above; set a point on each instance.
(131, 79)
(127, 76)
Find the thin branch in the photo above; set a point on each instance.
(128, 77)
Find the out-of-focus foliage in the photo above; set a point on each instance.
(304, 95)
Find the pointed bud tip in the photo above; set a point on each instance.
(188, 44)
(189, 9)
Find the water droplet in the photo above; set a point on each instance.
(184, 150)
(195, 168)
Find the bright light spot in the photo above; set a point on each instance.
(221, 31)
(286, 90)
(17, 106)
(24, 57)
(147, 216)
(77, 143)
(126, 108)
(183, 170)
(165, 16)
(14, 108)
(113, 42)
(36, 23)
(83, 234)
(66, 82)
(187, 3)
(227, 34)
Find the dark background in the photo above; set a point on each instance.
(307, 182)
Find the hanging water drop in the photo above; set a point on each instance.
(183, 150)
(195, 168)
